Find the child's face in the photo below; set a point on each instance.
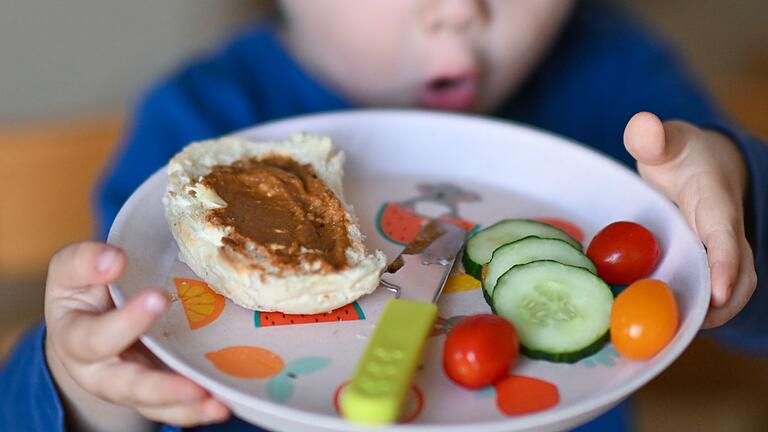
(463, 55)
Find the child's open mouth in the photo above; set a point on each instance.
(456, 93)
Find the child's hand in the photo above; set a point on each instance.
(704, 174)
(91, 346)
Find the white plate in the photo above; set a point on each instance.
(495, 170)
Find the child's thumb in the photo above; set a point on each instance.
(84, 264)
(652, 142)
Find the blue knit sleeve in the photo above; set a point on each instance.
(29, 400)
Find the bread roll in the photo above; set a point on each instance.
(287, 241)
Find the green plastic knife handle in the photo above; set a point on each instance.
(376, 392)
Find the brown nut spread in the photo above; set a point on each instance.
(429, 233)
(283, 209)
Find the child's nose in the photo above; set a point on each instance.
(454, 15)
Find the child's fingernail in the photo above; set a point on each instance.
(106, 259)
(154, 302)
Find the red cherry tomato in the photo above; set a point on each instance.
(644, 318)
(480, 350)
(624, 252)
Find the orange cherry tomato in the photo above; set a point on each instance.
(644, 319)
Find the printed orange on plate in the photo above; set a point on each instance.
(201, 304)
(246, 361)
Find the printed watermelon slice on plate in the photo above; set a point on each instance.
(350, 312)
(400, 224)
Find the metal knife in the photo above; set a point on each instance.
(375, 394)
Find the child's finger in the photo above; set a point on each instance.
(714, 216)
(84, 264)
(723, 256)
(134, 385)
(742, 291)
(138, 353)
(652, 142)
(719, 223)
(92, 336)
(187, 415)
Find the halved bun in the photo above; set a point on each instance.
(247, 275)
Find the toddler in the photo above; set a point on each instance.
(583, 69)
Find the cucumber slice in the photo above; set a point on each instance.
(531, 249)
(480, 246)
(562, 313)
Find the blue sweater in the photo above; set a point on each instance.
(602, 70)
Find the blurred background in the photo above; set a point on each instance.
(72, 70)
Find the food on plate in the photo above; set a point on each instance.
(624, 252)
(480, 246)
(561, 312)
(644, 319)
(531, 249)
(266, 225)
(536, 276)
(480, 350)
(570, 228)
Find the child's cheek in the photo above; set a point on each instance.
(366, 60)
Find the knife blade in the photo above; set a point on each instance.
(376, 391)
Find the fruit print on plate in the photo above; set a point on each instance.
(202, 305)
(350, 312)
(400, 221)
(252, 362)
